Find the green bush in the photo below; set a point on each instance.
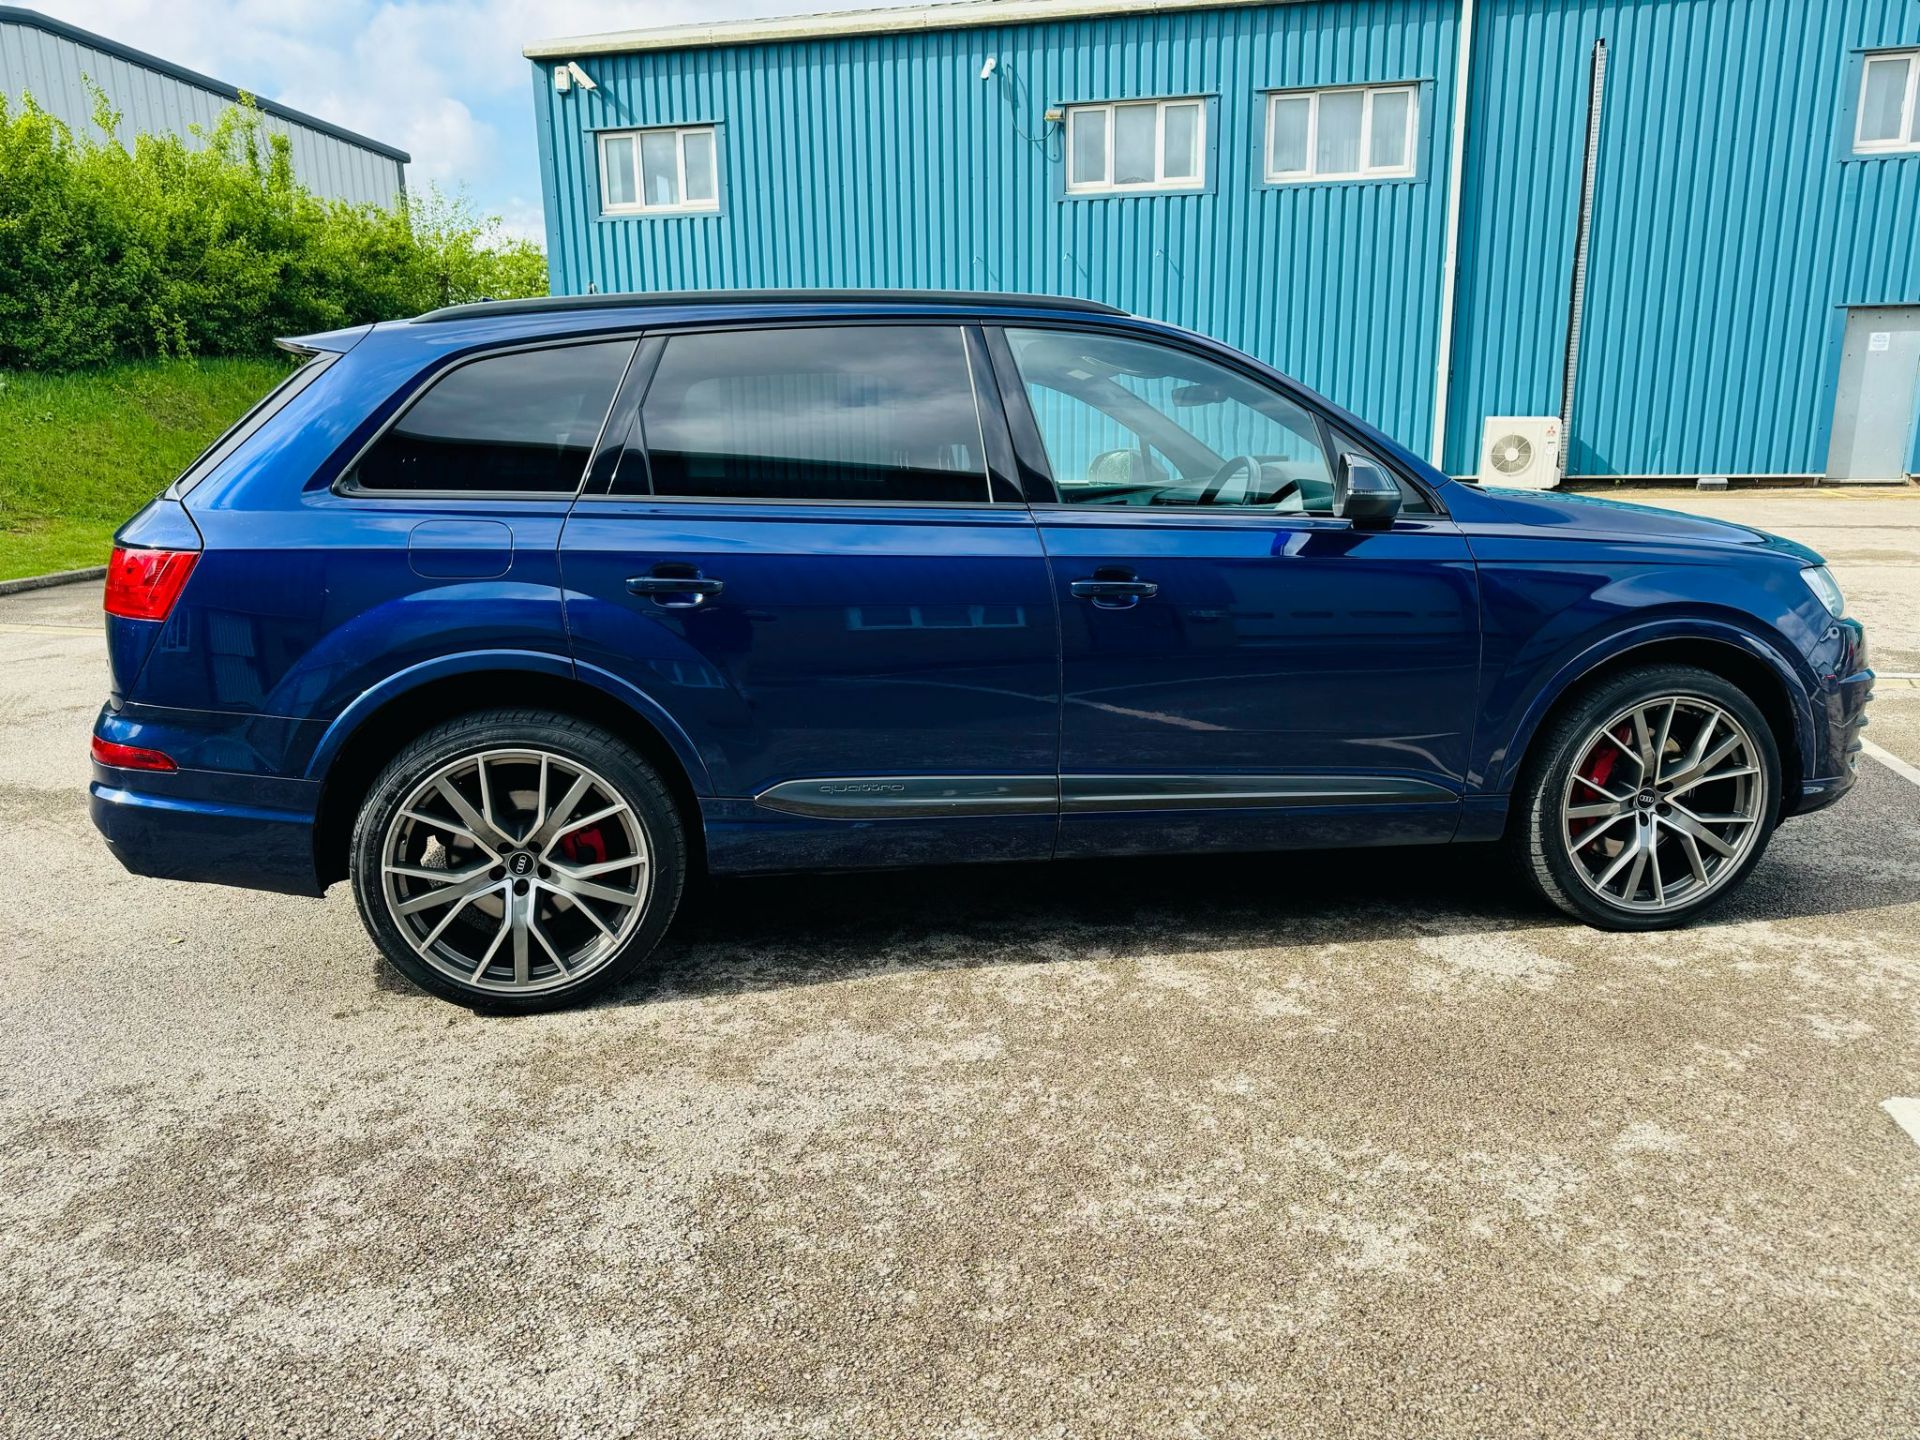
(170, 251)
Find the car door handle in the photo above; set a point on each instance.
(1114, 594)
(675, 592)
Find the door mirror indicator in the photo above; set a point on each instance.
(1365, 494)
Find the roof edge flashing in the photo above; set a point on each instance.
(841, 24)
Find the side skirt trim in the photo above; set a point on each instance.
(1215, 792)
(900, 797)
(903, 797)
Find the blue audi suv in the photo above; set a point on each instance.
(516, 615)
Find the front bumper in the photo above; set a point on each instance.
(1839, 715)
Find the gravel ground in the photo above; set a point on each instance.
(1286, 1146)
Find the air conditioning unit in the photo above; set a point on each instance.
(1522, 451)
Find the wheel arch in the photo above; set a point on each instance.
(358, 745)
(1734, 654)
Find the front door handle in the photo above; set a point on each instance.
(1112, 592)
(675, 592)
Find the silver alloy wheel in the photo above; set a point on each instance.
(1663, 803)
(515, 870)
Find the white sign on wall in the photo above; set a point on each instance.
(1879, 340)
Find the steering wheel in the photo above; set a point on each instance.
(1213, 494)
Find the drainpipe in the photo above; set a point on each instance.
(1450, 264)
(1582, 246)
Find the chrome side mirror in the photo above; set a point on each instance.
(1364, 494)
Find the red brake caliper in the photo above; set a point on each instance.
(578, 847)
(1599, 768)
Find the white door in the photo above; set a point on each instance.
(1879, 380)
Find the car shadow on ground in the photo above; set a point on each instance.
(809, 929)
(739, 935)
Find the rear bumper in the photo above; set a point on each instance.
(175, 838)
(226, 817)
(184, 835)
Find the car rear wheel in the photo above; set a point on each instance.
(517, 860)
(1648, 799)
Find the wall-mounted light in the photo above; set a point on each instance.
(986, 70)
(1054, 116)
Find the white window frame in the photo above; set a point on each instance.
(1905, 142)
(1367, 170)
(680, 134)
(1159, 184)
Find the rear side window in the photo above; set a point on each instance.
(523, 422)
(882, 414)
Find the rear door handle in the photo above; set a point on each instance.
(1114, 594)
(675, 592)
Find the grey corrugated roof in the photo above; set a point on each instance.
(16, 15)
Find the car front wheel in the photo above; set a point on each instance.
(1648, 799)
(517, 860)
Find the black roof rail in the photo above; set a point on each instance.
(565, 304)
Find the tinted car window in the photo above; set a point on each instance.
(881, 413)
(1127, 422)
(524, 421)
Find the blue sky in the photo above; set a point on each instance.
(444, 81)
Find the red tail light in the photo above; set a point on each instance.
(143, 584)
(130, 757)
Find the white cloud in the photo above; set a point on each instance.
(445, 82)
(522, 218)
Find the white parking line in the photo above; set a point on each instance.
(15, 627)
(1905, 1110)
(1891, 761)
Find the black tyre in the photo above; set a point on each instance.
(517, 860)
(1647, 799)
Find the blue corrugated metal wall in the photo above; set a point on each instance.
(888, 161)
(1730, 224)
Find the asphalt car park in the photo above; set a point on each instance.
(1355, 1144)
